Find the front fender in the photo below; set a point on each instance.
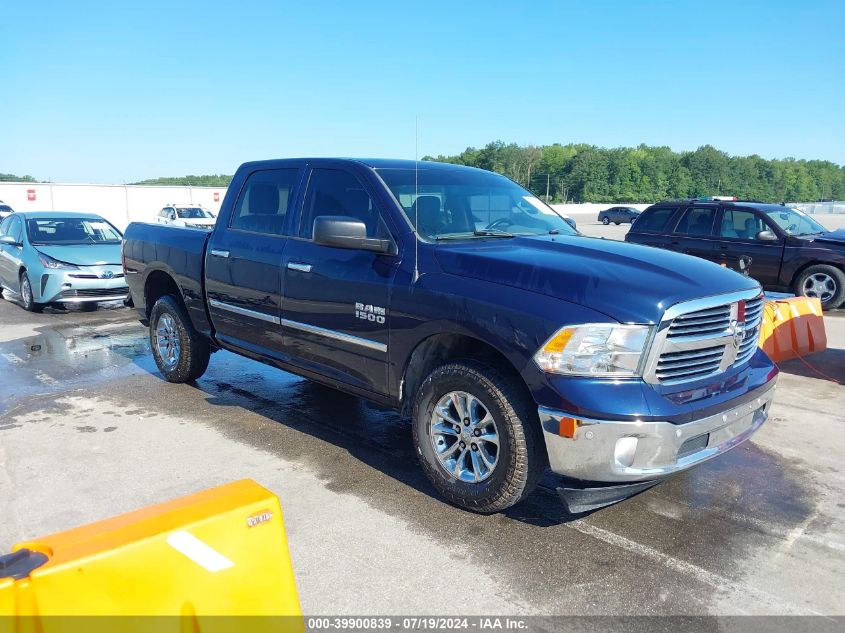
(514, 322)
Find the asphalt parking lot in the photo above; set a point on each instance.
(88, 429)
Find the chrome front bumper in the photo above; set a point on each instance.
(615, 451)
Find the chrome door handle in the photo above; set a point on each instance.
(303, 268)
(219, 253)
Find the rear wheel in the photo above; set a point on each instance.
(823, 282)
(27, 298)
(180, 352)
(477, 437)
(605, 220)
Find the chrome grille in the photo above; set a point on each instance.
(701, 322)
(674, 366)
(704, 337)
(753, 318)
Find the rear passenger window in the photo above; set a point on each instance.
(264, 201)
(654, 219)
(697, 221)
(337, 192)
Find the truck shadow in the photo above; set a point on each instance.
(746, 481)
(827, 365)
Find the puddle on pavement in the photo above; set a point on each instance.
(67, 356)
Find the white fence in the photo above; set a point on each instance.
(119, 204)
(820, 208)
(122, 204)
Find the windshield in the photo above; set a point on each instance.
(793, 221)
(65, 231)
(192, 213)
(461, 204)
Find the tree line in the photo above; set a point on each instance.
(213, 180)
(13, 178)
(586, 173)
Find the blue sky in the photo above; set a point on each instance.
(120, 91)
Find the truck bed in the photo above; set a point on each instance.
(176, 251)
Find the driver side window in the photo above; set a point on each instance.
(337, 192)
(741, 224)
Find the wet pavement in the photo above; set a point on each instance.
(89, 429)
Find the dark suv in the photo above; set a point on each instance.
(618, 215)
(783, 248)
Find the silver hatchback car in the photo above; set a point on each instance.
(61, 257)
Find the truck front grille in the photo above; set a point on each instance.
(705, 340)
(691, 364)
(701, 322)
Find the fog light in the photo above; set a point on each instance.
(625, 450)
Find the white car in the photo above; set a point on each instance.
(192, 216)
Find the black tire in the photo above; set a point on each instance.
(190, 361)
(605, 220)
(835, 283)
(27, 298)
(521, 456)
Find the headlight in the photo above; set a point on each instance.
(595, 349)
(49, 262)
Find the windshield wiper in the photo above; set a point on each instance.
(478, 233)
(491, 233)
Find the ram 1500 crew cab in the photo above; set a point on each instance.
(452, 294)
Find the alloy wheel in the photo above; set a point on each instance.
(464, 437)
(821, 286)
(167, 341)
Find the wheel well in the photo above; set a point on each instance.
(442, 348)
(158, 284)
(816, 263)
(21, 271)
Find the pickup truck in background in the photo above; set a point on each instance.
(515, 343)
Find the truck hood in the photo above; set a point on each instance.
(829, 238)
(628, 282)
(83, 254)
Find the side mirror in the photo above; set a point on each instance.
(344, 232)
(766, 236)
(8, 240)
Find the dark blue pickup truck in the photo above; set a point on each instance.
(450, 293)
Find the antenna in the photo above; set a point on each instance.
(416, 198)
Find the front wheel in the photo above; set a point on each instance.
(477, 437)
(605, 220)
(180, 352)
(823, 282)
(27, 298)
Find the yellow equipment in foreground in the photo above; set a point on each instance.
(792, 327)
(220, 552)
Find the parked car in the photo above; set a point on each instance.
(191, 216)
(785, 249)
(67, 257)
(5, 210)
(452, 294)
(618, 215)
